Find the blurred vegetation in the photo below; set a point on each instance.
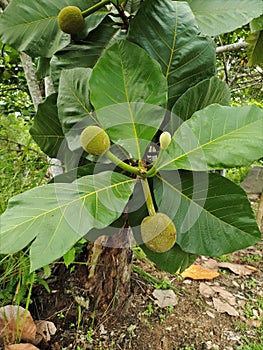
(245, 82)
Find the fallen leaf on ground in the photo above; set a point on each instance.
(44, 331)
(205, 290)
(21, 347)
(222, 306)
(211, 264)
(165, 298)
(197, 272)
(224, 294)
(16, 323)
(240, 270)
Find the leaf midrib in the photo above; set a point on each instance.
(206, 144)
(34, 218)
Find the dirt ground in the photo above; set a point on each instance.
(193, 323)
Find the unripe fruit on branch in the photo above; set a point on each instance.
(70, 20)
(94, 140)
(165, 140)
(158, 232)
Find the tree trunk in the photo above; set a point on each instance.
(109, 272)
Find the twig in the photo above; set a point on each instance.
(22, 145)
(224, 63)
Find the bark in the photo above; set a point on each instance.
(231, 47)
(31, 79)
(109, 272)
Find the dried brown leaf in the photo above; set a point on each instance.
(26, 346)
(205, 290)
(165, 298)
(211, 264)
(16, 323)
(222, 306)
(197, 272)
(224, 294)
(44, 330)
(240, 270)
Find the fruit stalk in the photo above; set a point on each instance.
(95, 8)
(122, 165)
(148, 197)
(165, 140)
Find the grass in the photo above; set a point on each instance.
(23, 166)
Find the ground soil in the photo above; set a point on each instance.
(191, 324)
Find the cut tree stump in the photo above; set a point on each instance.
(109, 272)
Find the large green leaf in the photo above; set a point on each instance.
(55, 216)
(216, 137)
(86, 52)
(127, 95)
(212, 215)
(74, 108)
(255, 48)
(132, 6)
(167, 30)
(215, 17)
(31, 26)
(201, 95)
(46, 130)
(257, 24)
(175, 260)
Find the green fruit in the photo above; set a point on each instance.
(70, 20)
(158, 232)
(94, 140)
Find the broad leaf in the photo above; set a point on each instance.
(257, 24)
(175, 260)
(88, 169)
(216, 137)
(56, 216)
(255, 48)
(127, 95)
(167, 30)
(31, 26)
(86, 52)
(46, 130)
(217, 16)
(132, 6)
(212, 215)
(74, 108)
(201, 95)
(117, 2)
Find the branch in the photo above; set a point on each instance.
(31, 79)
(231, 47)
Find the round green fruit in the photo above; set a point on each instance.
(70, 20)
(158, 232)
(94, 140)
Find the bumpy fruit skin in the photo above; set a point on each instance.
(165, 140)
(70, 20)
(158, 232)
(94, 140)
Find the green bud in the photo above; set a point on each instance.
(165, 140)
